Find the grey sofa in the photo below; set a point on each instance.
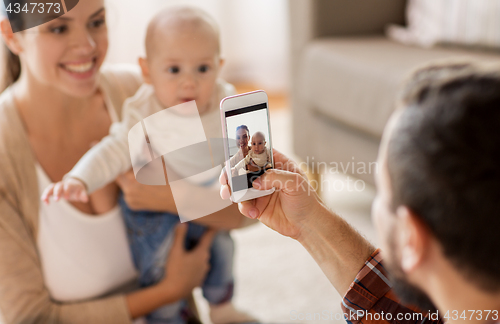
(346, 75)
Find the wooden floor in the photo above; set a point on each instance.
(277, 101)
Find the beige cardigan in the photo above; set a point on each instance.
(23, 296)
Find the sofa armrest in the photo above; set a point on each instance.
(322, 18)
(310, 19)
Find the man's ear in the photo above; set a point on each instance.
(143, 63)
(9, 38)
(414, 239)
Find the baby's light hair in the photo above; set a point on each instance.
(259, 134)
(180, 17)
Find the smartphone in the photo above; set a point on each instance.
(247, 143)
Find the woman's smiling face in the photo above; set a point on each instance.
(242, 138)
(67, 52)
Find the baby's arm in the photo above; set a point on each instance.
(247, 158)
(69, 188)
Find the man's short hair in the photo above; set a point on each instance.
(444, 164)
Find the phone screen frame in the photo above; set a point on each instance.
(236, 102)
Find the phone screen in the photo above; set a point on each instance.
(249, 141)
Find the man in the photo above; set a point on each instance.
(437, 209)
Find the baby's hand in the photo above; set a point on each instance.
(70, 189)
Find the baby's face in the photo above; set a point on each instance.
(258, 144)
(184, 66)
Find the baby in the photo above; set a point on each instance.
(259, 155)
(182, 64)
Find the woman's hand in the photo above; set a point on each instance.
(289, 208)
(252, 167)
(185, 270)
(144, 197)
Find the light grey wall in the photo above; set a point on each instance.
(254, 36)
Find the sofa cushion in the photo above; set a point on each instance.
(355, 80)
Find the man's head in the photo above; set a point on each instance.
(438, 206)
(182, 56)
(258, 143)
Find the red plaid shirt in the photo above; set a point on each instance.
(370, 299)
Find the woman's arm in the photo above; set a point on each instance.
(23, 295)
(226, 219)
(240, 165)
(233, 160)
(25, 299)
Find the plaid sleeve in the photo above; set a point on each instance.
(370, 299)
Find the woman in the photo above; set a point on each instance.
(242, 138)
(251, 170)
(57, 264)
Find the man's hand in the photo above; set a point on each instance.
(295, 210)
(292, 204)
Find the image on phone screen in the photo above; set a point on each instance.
(251, 156)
